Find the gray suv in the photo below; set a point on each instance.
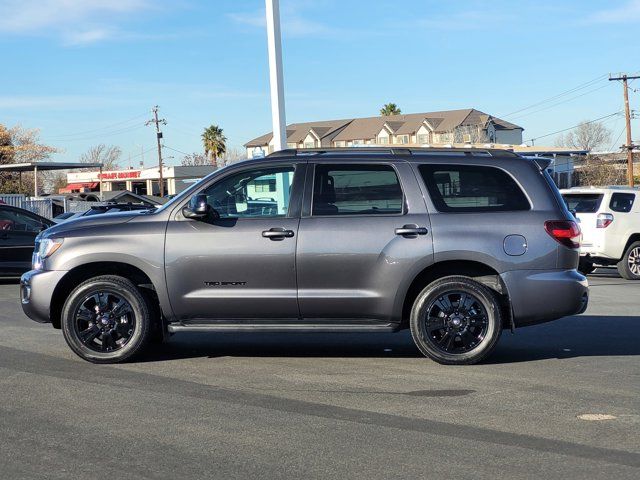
(456, 245)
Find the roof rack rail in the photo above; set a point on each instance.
(494, 152)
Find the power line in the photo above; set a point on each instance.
(175, 150)
(575, 89)
(560, 103)
(617, 139)
(106, 127)
(102, 135)
(571, 128)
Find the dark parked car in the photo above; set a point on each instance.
(18, 230)
(456, 245)
(100, 209)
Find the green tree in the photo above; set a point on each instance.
(389, 109)
(214, 143)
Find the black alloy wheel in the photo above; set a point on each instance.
(106, 319)
(456, 320)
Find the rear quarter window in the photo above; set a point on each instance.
(622, 202)
(470, 188)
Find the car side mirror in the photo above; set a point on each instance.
(198, 208)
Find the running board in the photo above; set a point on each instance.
(284, 328)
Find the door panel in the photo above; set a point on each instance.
(240, 266)
(18, 231)
(354, 265)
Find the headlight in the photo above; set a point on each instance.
(44, 249)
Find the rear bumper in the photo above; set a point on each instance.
(36, 293)
(539, 296)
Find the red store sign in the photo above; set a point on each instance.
(119, 175)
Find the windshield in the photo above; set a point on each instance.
(583, 202)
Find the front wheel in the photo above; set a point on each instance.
(456, 321)
(106, 320)
(629, 265)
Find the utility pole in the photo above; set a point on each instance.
(274, 44)
(627, 114)
(158, 137)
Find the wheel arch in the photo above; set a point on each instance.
(634, 237)
(479, 271)
(78, 274)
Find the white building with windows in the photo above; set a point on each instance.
(466, 126)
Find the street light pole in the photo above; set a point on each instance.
(275, 75)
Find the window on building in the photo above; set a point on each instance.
(339, 143)
(622, 202)
(358, 142)
(402, 139)
(469, 188)
(356, 190)
(252, 193)
(383, 140)
(309, 144)
(423, 138)
(292, 145)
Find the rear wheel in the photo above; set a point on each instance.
(629, 265)
(456, 321)
(106, 320)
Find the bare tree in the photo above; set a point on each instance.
(109, 156)
(20, 145)
(234, 155)
(586, 136)
(195, 159)
(598, 171)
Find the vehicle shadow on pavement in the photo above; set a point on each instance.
(579, 336)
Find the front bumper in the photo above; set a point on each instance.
(36, 293)
(539, 296)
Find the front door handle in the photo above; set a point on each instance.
(411, 230)
(277, 233)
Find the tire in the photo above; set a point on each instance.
(463, 334)
(585, 267)
(629, 264)
(106, 320)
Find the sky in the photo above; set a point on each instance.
(89, 72)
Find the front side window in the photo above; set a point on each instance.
(622, 202)
(356, 190)
(470, 188)
(252, 193)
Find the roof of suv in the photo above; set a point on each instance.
(396, 152)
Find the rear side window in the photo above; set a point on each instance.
(470, 188)
(356, 190)
(583, 202)
(622, 202)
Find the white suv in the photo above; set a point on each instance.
(610, 223)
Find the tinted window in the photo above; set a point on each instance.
(253, 193)
(20, 222)
(468, 188)
(356, 190)
(622, 202)
(583, 202)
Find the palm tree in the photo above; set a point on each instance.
(390, 109)
(214, 143)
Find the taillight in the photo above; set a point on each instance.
(604, 220)
(566, 232)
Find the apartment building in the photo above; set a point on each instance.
(466, 126)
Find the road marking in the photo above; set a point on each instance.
(596, 417)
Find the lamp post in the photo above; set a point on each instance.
(275, 75)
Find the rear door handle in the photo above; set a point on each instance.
(411, 230)
(277, 233)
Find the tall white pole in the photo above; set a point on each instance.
(275, 75)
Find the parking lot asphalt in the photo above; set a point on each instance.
(328, 406)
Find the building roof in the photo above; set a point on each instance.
(30, 166)
(369, 127)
